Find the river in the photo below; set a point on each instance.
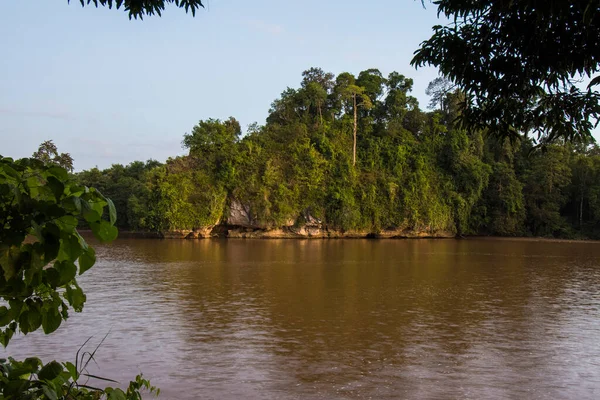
(341, 319)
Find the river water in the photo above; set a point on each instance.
(341, 319)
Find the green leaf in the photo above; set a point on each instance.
(24, 368)
(30, 320)
(75, 297)
(87, 260)
(72, 204)
(6, 335)
(33, 183)
(50, 371)
(72, 370)
(57, 187)
(104, 231)
(52, 277)
(8, 261)
(66, 270)
(5, 316)
(51, 320)
(112, 211)
(49, 392)
(67, 223)
(89, 214)
(117, 394)
(59, 173)
(34, 318)
(70, 246)
(33, 363)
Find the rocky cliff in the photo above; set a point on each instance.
(241, 223)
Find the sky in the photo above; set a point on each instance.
(109, 90)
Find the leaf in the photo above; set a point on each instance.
(56, 186)
(100, 378)
(72, 370)
(112, 211)
(70, 246)
(30, 320)
(8, 261)
(52, 277)
(117, 394)
(66, 271)
(67, 223)
(89, 214)
(72, 204)
(5, 316)
(51, 320)
(50, 371)
(49, 392)
(87, 260)
(75, 297)
(24, 369)
(34, 318)
(104, 231)
(59, 173)
(594, 82)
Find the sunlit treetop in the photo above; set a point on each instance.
(141, 8)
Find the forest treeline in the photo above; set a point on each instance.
(358, 153)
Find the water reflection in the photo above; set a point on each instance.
(343, 318)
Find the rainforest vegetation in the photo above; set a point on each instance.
(358, 153)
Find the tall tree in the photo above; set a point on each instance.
(438, 89)
(48, 154)
(358, 98)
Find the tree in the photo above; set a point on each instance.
(48, 154)
(546, 184)
(438, 89)
(349, 91)
(516, 61)
(139, 8)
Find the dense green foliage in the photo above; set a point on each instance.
(41, 254)
(414, 170)
(516, 61)
(31, 380)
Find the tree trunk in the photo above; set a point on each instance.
(581, 211)
(355, 127)
(320, 113)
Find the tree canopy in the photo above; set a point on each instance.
(49, 155)
(518, 62)
(140, 8)
(357, 153)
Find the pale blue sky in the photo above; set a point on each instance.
(110, 90)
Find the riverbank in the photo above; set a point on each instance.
(225, 232)
(283, 234)
(531, 239)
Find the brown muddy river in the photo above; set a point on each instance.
(341, 319)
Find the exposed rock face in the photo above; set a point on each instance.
(196, 233)
(324, 233)
(241, 224)
(240, 215)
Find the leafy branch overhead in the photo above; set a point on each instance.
(518, 63)
(41, 252)
(140, 8)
